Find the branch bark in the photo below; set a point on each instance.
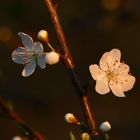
(68, 62)
(66, 55)
(15, 117)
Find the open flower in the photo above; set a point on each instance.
(112, 74)
(30, 55)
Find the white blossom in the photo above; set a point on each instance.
(111, 74)
(105, 126)
(30, 55)
(52, 57)
(17, 138)
(43, 35)
(85, 136)
(70, 118)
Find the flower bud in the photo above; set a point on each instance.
(52, 58)
(85, 136)
(17, 138)
(43, 35)
(70, 118)
(105, 126)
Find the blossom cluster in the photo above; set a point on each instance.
(110, 74)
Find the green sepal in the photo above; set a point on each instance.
(72, 137)
(106, 136)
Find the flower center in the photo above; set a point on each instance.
(111, 75)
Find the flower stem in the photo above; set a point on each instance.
(15, 117)
(49, 45)
(68, 62)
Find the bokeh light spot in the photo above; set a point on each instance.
(5, 34)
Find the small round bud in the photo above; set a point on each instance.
(52, 58)
(17, 138)
(85, 136)
(70, 118)
(43, 35)
(105, 126)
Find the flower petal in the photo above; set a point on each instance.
(116, 54)
(41, 61)
(127, 82)
(27, 41)
(29, 68)
(21, 55)
(38, 48)
(123, 69)
(96, 72)
(102, 87)
(110, 60)
(116, 89)
(104, 61)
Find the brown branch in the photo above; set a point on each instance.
(88, 113)
(67, 60)
(66, 55)
(15, 117)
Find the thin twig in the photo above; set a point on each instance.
(67, 60)
(15, 117)
(63, 44)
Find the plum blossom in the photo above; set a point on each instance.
(105, 126)
(17, 138)
(43, 35)
(30, 55)
(52, 58)
(70, 118)
(85, 136)
(111, 74)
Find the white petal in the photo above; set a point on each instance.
(29, 68)
(21, 55)
(116, 89)
(116, 54)
(105, 61)
(41, 61)
(110, 60)
(102, 87)
(27, 41)
(123, 69)
(38, 48)
(127, 82)
(96, 72)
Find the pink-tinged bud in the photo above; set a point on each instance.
(43, 35)
(52, 58)
(85, 136)
(17, 138)
(70, 118)
(105, 126)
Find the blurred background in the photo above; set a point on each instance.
(92, 27)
